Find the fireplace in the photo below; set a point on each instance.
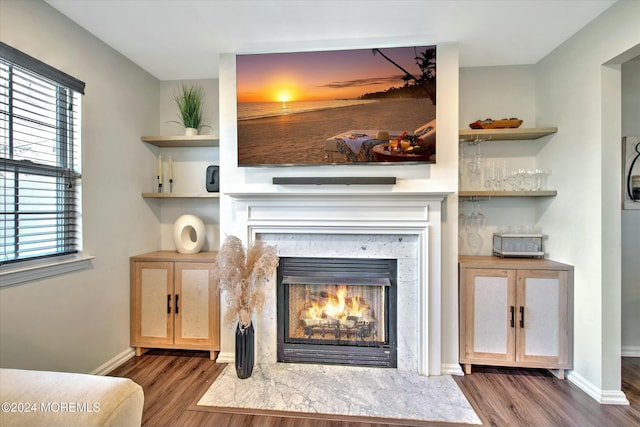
(352, 222)
(337, 311)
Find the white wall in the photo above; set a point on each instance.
(169, 110)
(441, 177)
(497, 92)
(79, 321)
(631, 220)
(575, 92)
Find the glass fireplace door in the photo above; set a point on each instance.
(337, 311)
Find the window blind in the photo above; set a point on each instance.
(40, 168)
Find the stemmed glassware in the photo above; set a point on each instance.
(496, 175)
(472, 224)
(540, 179)
(476, 172)
(472, 165)
(528, 180)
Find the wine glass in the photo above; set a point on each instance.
(477, 215)
(474, 241)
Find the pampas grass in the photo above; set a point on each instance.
(241, 274)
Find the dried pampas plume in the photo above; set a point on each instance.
(241, 274)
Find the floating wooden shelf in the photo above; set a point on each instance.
(491, 193)
(180, 195)
(505, 134)
(181, 141)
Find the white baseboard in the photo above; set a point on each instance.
(614, 397)
(631, 351)
(114, 362)
(604, 397)
(226, 357)
(451, 369)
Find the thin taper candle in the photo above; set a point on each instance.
(170, 175)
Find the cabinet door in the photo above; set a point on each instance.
(195, 308)
(489, 301)
(543, 325)
(152, 299)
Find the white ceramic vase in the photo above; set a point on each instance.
(188, 234)
(190, 131)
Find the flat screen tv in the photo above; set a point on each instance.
(364, 106)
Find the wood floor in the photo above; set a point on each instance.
(173, 381)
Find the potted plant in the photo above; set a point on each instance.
(242, 273)
(190, 103)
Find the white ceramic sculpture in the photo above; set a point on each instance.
(188, 234)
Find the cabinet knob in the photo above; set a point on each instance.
(168, 303)
(521, 316)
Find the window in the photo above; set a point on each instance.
(39, 159)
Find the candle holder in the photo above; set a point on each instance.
(159, 185)
(170, 185)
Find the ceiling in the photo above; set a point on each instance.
(181, 39)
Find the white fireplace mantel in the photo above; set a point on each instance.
(341, 209)
(362, 194)
(305, 212)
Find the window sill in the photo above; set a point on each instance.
(17, 275)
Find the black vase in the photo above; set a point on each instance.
(245, 343)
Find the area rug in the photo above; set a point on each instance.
(325, 390)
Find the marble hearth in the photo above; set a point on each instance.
(402, 226)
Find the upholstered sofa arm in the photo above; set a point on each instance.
(42, 398)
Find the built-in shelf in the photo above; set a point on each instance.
(180, 195)
(491, 193)
(505, 134)
(182, 141)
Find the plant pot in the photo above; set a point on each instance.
(190, 131)
(245, 345)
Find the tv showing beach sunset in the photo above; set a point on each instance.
(364, 106)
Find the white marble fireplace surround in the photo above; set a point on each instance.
(403, 247)
(404, 226)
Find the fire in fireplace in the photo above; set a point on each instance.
(337, 311)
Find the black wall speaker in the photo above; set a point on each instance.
(213, 179)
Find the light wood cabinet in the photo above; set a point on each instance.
(174, 303)
(516, 312)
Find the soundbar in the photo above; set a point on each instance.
(334, 180)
